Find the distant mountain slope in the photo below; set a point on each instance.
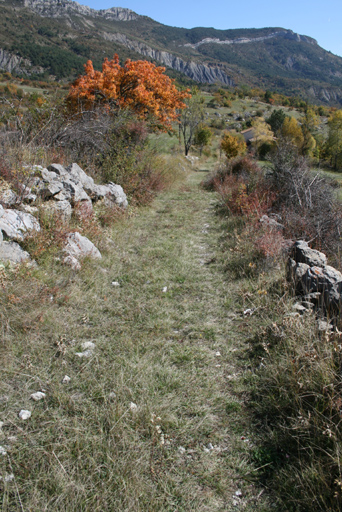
(56, 37)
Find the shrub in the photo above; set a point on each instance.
(306, 201)
(233, 145)
(242, 188)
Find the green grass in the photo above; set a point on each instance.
(84, 448)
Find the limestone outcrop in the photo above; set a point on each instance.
(194, 70)
(58, 9)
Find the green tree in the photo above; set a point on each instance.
(276, 120)
(334, 141)
(202, 137)
(309, 124)
(190, 119)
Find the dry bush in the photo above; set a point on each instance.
(306, 201)
(297, 403)
(244, 167)
(242, 188)
(269, 242)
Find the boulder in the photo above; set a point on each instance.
(7, 196)
(76, 192)
(78, 247)
(111, 192)
(302, 253)
(312, 278)
(77, 175)
(271, 223)
(48, 176)
(27, 194)
(326, 281)
(117, 195)
(11, 252)
(61, 208)
(58, 169)
(16, 224)
(50, 189)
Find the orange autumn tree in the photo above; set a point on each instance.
(140, 86)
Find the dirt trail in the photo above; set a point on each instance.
(154, 419)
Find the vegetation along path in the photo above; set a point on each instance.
(152, 418)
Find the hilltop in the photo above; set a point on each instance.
(54, 39)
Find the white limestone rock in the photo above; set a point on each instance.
(12, 253)
(24, 414)
(38, 396)
(16, 224)
(78, 247)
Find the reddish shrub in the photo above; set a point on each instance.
(271, 243)
(240, 198)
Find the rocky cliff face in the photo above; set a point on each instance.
(326, 94)
(14, 63)
(286, 34)
(199, 72)
(58, 9)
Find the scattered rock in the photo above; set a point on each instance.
(66, 379)
(38, 396)
(115, 283)
(324, 326)
(3, 451)
(88, 345)
(86, 353)
(78, 247)
(7, 478)
(133, 407)
(181, 450)
(271, 223)
(165, 289)
(24, 414)
(112, 396)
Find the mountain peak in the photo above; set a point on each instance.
(61, 8)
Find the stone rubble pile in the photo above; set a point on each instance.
(58, 190)
(313, 279)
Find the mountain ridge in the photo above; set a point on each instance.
(57, 8)
(57, 37)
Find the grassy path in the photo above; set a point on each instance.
(151, 420)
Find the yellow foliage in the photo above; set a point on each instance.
(291, 130)
(232, 145)
(262, 133)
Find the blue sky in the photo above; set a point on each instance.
(320, 19)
